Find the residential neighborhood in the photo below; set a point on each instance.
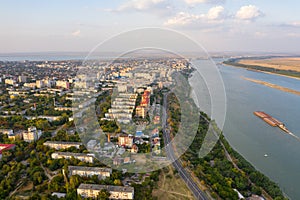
(38, 124)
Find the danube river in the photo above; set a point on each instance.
(252, 137)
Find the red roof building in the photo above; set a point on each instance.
(4, 147)
(145, 98)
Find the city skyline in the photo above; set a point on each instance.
(219, 25)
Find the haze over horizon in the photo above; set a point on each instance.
(219, 25)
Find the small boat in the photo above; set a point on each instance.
(266, 155)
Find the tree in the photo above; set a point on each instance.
(117, 182)
(35, 196)
(38, 177)
(74, 181)
(116, 175)
(56, 183)
(103, 195)
(109, 126)
(42, 124)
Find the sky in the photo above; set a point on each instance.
(218, 25)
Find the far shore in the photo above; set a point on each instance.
(260, 71)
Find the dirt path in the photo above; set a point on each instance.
(184, 195)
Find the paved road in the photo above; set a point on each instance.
(186, 177)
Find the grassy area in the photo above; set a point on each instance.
(171, 186)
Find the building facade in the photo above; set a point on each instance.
(32, 134)
(125, 140)
(116, 192)
(102, 173)
(67, 155)
(62, 145)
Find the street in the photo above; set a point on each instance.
(185, 176)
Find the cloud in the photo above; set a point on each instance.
(193, 2)
(248, 13)
(140, 4)
(215, 15)
(161, 7)
(76, 33)
(183, 18)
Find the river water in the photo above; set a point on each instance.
(252, 137)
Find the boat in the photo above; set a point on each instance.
(266, 155)
(271, 120)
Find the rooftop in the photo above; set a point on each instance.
(6, 147)
(72, 154)
(61, 142)
(89, 169)
(106, 187)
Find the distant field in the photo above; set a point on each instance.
(290, 63)
(284, 66)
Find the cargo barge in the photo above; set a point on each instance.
(271, 120)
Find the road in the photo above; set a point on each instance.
(185, 176)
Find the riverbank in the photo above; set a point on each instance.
(223, 171)
(271, 85)
(285, 72)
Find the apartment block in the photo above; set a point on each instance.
(32, 134)
(67, 155)
(62, 145)
(102, 173)
(116, 192)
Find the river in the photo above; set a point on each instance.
(252, 137)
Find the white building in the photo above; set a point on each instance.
(90, 171)
(116, 192)
(30, 85)
(6, 131)
(40, 84)
(122, 87)
(122, 108)
(32, 134)
(63, 84)
(67, 155)
(62, 145)
(10, 82)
